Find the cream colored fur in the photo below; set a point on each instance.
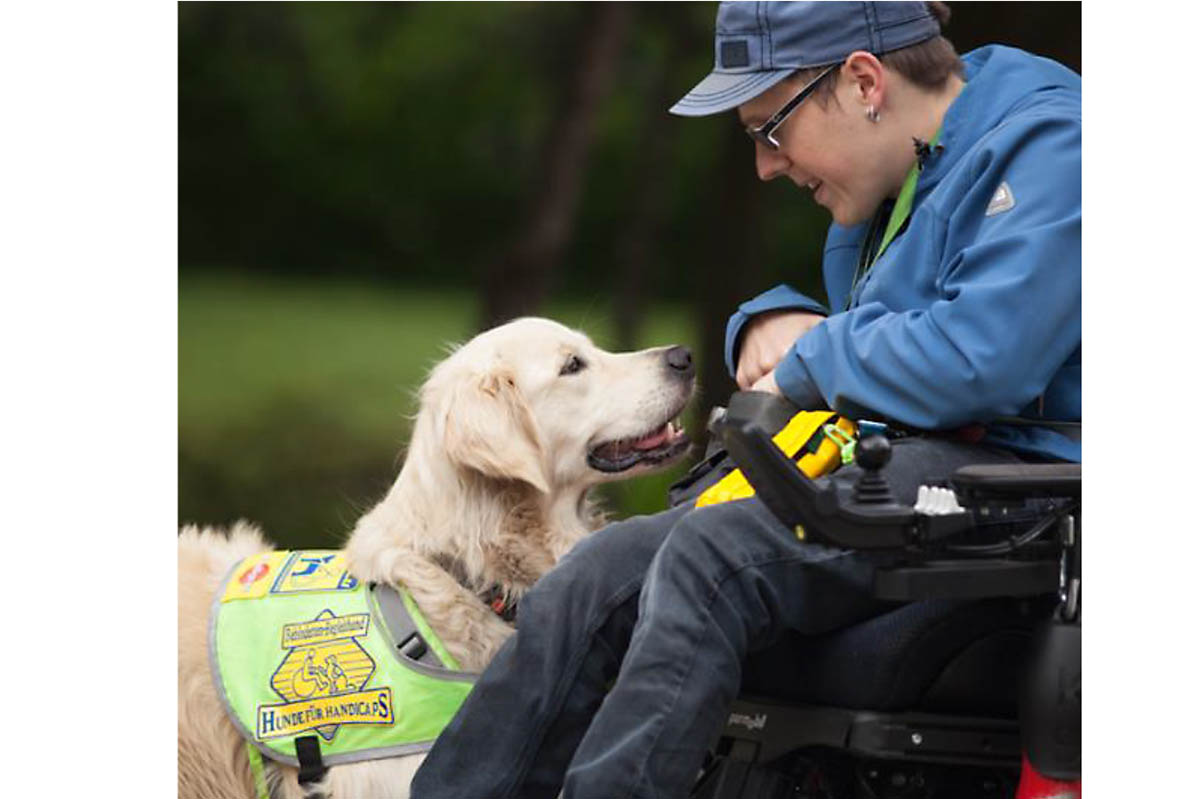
(496, 476)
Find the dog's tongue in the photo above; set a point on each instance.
(654, 439)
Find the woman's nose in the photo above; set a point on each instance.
(769, 163)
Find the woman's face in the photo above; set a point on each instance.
(833, 151)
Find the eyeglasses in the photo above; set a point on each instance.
(764, 133)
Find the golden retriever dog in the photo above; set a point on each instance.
(514, 428)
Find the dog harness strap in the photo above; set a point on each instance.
(403, 627)
(308, 752)
(256, 770)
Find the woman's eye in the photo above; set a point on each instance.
(574, 364)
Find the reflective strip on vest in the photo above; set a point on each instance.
(298, 646)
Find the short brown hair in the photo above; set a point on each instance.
(928, 64)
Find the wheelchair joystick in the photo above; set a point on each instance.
(872, 454)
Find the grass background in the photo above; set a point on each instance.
(294, 395)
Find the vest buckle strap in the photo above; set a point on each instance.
(308, 752)
(413, 647)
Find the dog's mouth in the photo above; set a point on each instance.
(661, 445)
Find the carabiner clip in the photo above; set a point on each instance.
(842, 440)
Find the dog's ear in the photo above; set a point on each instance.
(490, 429)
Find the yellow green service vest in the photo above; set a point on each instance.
(300, 649)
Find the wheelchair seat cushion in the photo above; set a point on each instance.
(938, 656)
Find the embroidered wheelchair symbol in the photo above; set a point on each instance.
(321, 680)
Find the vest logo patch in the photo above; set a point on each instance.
(253, 576)
(322, 680)
(314, 570)
(1001, 201)
(325, 630)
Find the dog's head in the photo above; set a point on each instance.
(536, 402)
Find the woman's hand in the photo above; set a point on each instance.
(767, 383)
(766, 340)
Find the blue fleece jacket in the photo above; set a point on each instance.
(973, 312)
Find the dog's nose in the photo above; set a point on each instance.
(680, 360)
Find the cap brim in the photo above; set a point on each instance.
(721, 91)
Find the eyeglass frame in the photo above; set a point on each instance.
(763, 133)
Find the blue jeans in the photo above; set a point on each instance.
(628, 654)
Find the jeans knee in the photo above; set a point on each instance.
(718, 530)
(721, 539)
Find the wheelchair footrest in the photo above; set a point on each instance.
(967, 579)
(778, 729)
(937, 739)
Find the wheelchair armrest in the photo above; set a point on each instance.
(1019, 480)
(810, 507)
(870, 518)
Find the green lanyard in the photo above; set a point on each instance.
(900, 213)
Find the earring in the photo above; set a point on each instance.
(873, 113)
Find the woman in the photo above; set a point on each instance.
(953, 265)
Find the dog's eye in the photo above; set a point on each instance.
(574, 364)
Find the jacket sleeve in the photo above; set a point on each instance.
(779, 298)
(1008, 313)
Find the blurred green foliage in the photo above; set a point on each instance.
(401, 141)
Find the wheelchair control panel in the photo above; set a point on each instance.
(935, 540)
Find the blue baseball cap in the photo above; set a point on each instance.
(760, 44)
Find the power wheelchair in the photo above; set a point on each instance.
(969, 688)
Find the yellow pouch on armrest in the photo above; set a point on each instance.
(798, 437)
